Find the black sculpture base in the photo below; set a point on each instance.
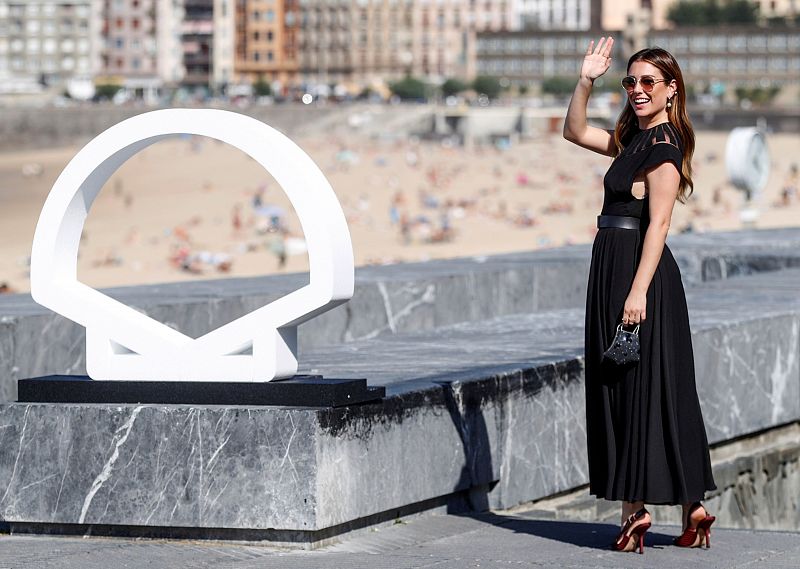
(298, 391)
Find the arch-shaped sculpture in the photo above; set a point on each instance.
(124, 344)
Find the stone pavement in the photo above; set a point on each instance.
(491, 540)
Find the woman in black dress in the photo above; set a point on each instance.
(645, 433)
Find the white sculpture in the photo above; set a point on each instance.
(124, 344)
(747, 160)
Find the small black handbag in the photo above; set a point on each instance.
(625, 347)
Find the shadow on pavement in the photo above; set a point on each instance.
(582, 534)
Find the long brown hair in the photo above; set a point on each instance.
(628, 123)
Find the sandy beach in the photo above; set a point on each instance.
(194, 208)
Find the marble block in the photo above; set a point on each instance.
(289, 470)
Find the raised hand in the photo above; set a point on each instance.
(597, 59)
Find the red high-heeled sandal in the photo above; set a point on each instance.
(632, 533)
(698, 535)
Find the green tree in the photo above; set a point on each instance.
(757, 95)
(106, 91)
(487, 85)
(687, 14)
(711, 12)
(558, 85)
(410, 89)
(740, 12)
(261, 88)
(453, 87)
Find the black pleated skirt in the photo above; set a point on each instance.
(645, 433)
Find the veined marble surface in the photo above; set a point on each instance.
(482, 360)
(495, 408)
(388, 300)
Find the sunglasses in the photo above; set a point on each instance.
(647, 82)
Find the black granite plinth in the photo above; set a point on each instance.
(298, 391)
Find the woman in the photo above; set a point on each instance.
(645, 433)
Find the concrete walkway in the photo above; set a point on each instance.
(433, 541)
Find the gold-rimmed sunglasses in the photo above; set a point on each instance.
(647, 82)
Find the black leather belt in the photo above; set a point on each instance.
(621, 221)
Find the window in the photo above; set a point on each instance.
(680, 43)
(737, 43)
(269, 56)
(778, 42)
(758, 43)
(270, 15)
(698, 64)
(567, 44)
(719, 64)
(699, 44)
(757, 64)
(270, 35)
(778, 64)
(718, 43)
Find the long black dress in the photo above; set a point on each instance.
(644, 427)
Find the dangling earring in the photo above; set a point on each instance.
(669, 103)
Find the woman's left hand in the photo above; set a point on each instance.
(635, 310)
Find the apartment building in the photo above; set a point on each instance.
(142, 44)
(361, 42)
(528, 57)
(223, 48)
(197, 42)
(730, 56)
(734, 55)
(266, 41)
(46, 43)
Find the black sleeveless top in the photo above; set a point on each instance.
(646, 149)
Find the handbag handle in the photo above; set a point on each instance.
(635, 330)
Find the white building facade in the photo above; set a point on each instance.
(47, 43)
(554, 14)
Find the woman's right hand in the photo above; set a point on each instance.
(597, 59)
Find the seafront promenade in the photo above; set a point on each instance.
(487, 541)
